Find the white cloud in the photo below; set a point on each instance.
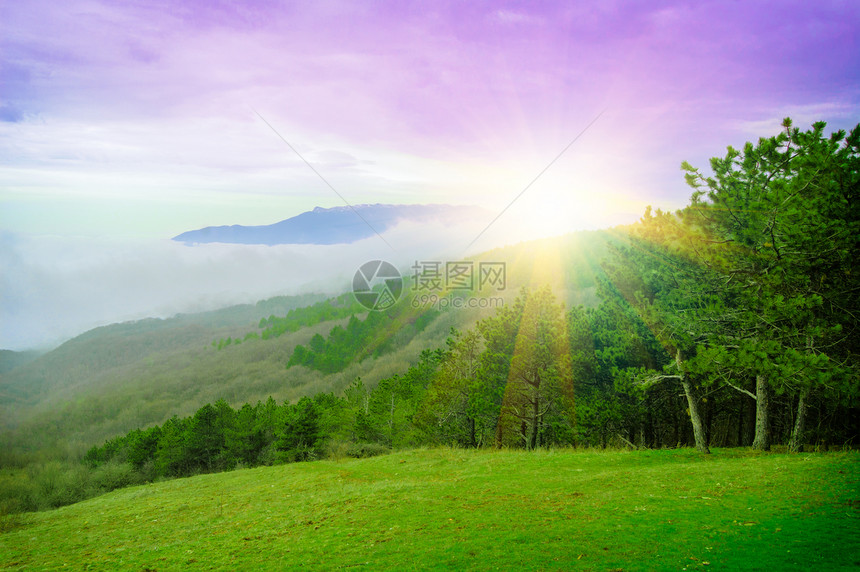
(52, 288)
(837, 114)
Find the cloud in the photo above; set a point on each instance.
(52, 288)
(837, 114)
(135, 119)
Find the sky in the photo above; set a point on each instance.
(123, 124)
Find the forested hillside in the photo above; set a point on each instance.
(77, 362)
(9, 360)
(732, 322)
(117, 378)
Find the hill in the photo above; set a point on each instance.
(9, 360)
(466, 509)
(97, 351)
(117, 378)
(337, 225)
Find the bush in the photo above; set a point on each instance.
(364, 450)
(56, 484)
(336, 450)
(17, 493)
(73, 485)
(113, 475)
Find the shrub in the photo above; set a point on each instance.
(364, 450)
(113, 475)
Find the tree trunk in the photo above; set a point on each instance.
(693, 405)
(695, 417)
(796, 443)
(762, 421)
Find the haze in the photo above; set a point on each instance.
(122, 125)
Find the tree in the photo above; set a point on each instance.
(666, 289)
(171, 459)
(205, 438)
(538, 403)
(453, 409)
(391, 407)
(245, 440)
(754, 285)
(607, 344)
(142, 446)
(300, 433)
(780, 223)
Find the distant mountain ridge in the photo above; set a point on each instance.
(337, 225)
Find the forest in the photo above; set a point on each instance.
(729, 323)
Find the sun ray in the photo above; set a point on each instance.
(542, 330)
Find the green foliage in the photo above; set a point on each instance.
(300, 436)
(360, 339)
(755, 282)
(343, 306)
(538, 401)
(450, 411)
(273, 327)
(606, 344)
(779, 223)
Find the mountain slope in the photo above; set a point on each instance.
(9, 360)
(115, 379)
(338, 225)
(92, 353)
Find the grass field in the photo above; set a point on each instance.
(457, 509)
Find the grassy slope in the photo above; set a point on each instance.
(454, 509)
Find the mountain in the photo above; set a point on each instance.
(9, 360)
(337, 225)
(116, 378)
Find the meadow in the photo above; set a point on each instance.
(462, 509)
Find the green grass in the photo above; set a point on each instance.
(456, 509)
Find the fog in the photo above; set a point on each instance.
(54, 288)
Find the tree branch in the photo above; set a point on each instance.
(727, 382)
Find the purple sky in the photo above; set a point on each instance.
(135, 121)
(136, 117)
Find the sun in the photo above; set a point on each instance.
(554, 214)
